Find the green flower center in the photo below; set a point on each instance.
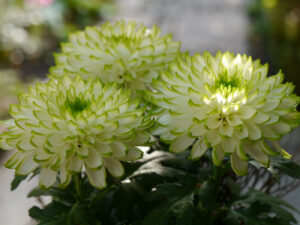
(121, 39)
(76, 106)
(228, 81)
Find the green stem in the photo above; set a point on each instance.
(215, 182)
(78, 184)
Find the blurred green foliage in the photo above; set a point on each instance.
(30, 30)
(275, 36)
(10, 85)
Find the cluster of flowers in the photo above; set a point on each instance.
(116, 85)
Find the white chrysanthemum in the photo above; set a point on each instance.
(67, 125)
(123, 52)
(226, 103)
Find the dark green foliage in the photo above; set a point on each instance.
(259, 208)
(275, 36)
(163, 189)
(286, 166)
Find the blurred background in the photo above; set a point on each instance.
(31, 30)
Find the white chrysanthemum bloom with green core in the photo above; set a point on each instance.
(226, 103)
(67, 125)
(127, 53)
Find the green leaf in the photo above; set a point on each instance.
(175, 203)
(36, 192)
(54, 214)
(19, 178)
(285, 166)
(259, 208)
(16, 181)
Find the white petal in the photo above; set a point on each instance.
(254, 132)
(256, 153)
(15, 160)
(41, 156)
(94, 159)
(167, 136)
(234, 120)
(47, 177)
(181, 143)
(260, 117)
(217, 155)
(247, 112)
(165, 119)
(230, 145)
(97, 178)
(75, 164)
(270, 105)
(241, 132)
(239, 166)
(119, 149)
(198, 130)
(267, 149)
(64, 176)
(213, 122)
(82, 151)
(133, 154)
(27, 165)
(114, 166)
(213, 137)
(102, 148)
(141, 139)
(181, 125)
(226, 130)
(269, 133)
(199, 148)
(281, 127)
(55, 139)
(24, 144)
(240, 152)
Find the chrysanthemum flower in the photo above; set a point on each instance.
(66, 126)
(127, 53)
(226, 103)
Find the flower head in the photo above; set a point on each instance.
(69, 125)
(127, 53)
(226, 103)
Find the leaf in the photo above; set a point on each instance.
(54, 214)
(259, 208)
(36, 192)
(185, 210)
(176, 202)
(288, 167)
(16, 181)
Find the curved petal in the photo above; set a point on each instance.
(97, 178)
(181, 143)
(47, 177)
(239, 166)
(217, 155)
(114, 166)
(199, 148)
